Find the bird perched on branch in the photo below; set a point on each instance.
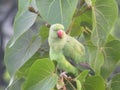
(64, 49)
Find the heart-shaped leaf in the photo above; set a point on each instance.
(57, 11)
(104, 15)
(41, 76)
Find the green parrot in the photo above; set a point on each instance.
(64, 49)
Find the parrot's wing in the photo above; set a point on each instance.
(74, 50)
(62, 63)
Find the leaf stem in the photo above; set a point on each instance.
(80, 12)
(69, 29)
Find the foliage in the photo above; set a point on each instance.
(93, 22)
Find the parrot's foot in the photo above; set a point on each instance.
(63, 74)
(61, 85)
(66, 77)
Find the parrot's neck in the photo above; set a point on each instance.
(57, 43)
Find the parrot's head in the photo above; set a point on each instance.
(57, 31)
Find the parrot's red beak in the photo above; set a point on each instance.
(60, 34)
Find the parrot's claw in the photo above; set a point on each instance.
(63, 74)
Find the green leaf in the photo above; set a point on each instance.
(104, 15)
(16, 85)
(41, 76)
(115, 83)
(44, 32)
(44, 49)
(96, 59)
(79, 86)
(82, 76)
(23, 20)
(94, 83)
(76, 29)
(84, 20)
(111, 38)
(112, 57)
(118, 1)
(23, 49)
(46, 84)
(23, 71)
(116, 31)
(93, 2)
(99, 61)
(57, 11)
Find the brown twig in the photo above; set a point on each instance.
(32, 9)
(81, 12)
(68, 79)
(80, 3)
(69, 29)
(47, 25)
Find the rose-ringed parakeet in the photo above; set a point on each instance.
(63, 46)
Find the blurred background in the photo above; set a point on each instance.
(8, 10)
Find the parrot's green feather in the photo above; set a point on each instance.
(56, 27)
(74, 49)
(62, 62)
